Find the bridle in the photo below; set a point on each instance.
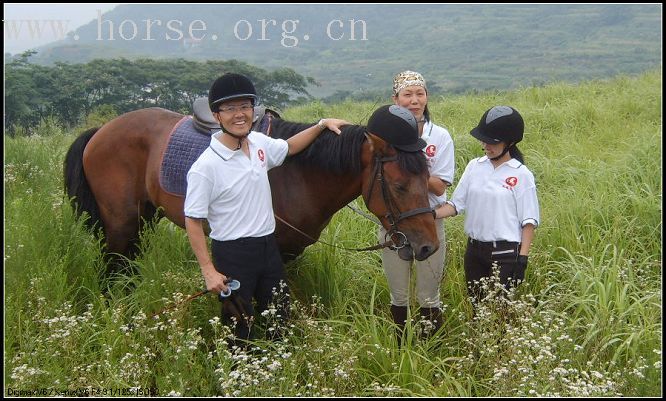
(393, 215)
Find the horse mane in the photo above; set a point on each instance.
(339, 154)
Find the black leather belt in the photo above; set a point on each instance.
(492, 244)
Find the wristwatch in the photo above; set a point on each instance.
(321, 124)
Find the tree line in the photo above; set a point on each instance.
(70, 92)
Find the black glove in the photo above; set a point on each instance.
(521, 266)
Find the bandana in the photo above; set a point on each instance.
(405, 79)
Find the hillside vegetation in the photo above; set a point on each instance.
(355, 50)
(587, 321)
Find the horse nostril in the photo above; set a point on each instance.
(425, 251)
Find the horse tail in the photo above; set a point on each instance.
(76, 185)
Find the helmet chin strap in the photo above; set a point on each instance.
(239, 137)
(506, 149)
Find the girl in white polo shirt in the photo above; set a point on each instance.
(498, 195)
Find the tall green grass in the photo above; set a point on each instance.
(587, 321)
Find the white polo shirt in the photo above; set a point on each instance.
(231, 190)
(439, 155)
(497, 202)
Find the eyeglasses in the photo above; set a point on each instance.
(233, 109)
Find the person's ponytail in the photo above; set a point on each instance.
(516, 154)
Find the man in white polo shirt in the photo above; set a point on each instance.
(498, 194)
(228, 186)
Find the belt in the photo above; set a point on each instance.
(492, 244)
(246, 240)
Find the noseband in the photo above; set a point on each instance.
(394, 215)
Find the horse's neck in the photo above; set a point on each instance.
(308, 200)
(339, 192)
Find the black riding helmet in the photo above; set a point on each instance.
(397, 126)
(500, 124)
(230, 86)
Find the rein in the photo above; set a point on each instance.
(370, 248)
(190, 298)
(238, 305)
(363, 214)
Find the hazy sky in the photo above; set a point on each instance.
(31, 25)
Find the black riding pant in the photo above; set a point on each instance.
(256, 263)
(479, 258)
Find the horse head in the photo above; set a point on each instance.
(395, 189)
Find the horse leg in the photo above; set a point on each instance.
(121, 230)
(120, 204)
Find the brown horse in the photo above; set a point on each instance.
(112, 173)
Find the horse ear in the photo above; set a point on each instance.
(369, 138)
(378, 146)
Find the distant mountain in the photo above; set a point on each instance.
(355, 50)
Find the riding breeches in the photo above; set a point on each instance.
(428, 273)
(479, 260)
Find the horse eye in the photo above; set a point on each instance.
(400, 187)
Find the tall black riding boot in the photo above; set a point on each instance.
(433, 320)
(399, 314)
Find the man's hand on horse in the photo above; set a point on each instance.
(334, 124)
